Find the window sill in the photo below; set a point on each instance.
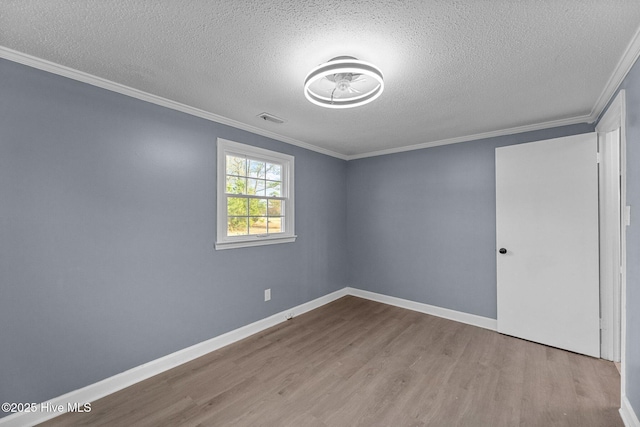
(254, 241)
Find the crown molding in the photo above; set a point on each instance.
(61, 70)
(626, 62)
(628, 59)
(476, 136)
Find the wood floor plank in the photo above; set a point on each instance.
(356, 362)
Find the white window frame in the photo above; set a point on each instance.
(226, 147)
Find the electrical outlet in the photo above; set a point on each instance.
(267, 294)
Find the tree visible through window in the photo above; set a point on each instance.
(257, 206)
(255, 196)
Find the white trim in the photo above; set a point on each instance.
(125, 379)
(629, 417)
(616, 115)
(613, 119)
(477, 136)
(61, 70)
(623, 67)
(609, 241)
(458, 316)
(623, 244)
(219, 246)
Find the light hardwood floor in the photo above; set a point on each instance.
(356, 362)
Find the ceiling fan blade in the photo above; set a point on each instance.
(326, 84)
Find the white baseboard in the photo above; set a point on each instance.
(125, 379)
(629, 417)
(458, 316)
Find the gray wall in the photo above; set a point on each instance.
(107, 225)
(422, 226)
(631, 84)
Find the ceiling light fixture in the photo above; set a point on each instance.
(343, 82)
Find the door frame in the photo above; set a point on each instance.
(610, 225)
(615, 118)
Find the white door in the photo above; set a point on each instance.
(547, 222)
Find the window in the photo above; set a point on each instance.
(255, 196)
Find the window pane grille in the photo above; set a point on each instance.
(254, 189)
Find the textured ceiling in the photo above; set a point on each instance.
(452, 68)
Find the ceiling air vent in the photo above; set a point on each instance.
(270, 118)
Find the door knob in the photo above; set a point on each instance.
(502, 251)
